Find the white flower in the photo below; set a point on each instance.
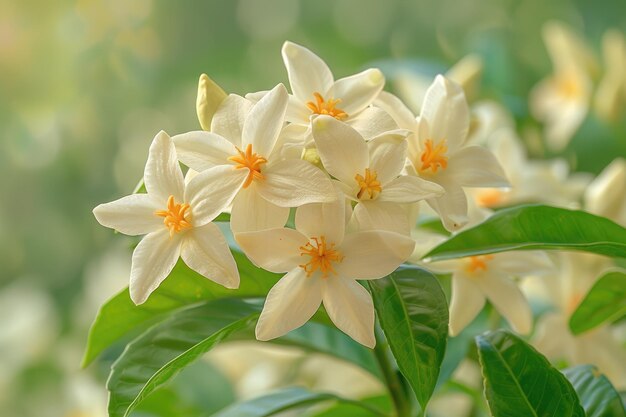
(610, 95)
(244, 140)
(322, 265)
(438, 152)
(176, 219)
(561, 101)
(369, 174)
(606, 195)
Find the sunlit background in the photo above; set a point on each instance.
(85, 86)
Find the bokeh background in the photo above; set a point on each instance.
(85, 86)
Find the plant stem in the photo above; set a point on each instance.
(396, 390)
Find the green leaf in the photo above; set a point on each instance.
(379, 402)
(162, 351)
(520, 382)
(604, 303)
(598, 397)
(184, 287)
(413, 314)
(536, 227)
(287, 399)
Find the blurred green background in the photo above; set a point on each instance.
(85, 86)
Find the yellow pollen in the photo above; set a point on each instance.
(434, 156)
(477, 263)
(176, 217)
(322, 256)
(327, 107)
(490, 197)
(369, 186)
(251, 161)
(569, 86)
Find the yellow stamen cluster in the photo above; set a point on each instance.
(322, 256)
(490, 197)
(478, 263)
(251, 161)
(369, 186)
(327, 107)
(176, 217)
(434, 156)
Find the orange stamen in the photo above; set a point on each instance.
(176, 217)
(490, 197)
(251, 161)
(434, 156)
(477, 263)
(327, 107)
(322, 257)
(368, 185)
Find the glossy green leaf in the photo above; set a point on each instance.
(413, 314)
(520, 382)
(598, 397)
(536, 227)
(162, 351)
(287, 399)
(184, 287)
(604, 303)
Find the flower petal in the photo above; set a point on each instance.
(205, 250)
(372, 122)
(451, 207)
(410, 189)
(323, 219)
(230, 116)
(162, 175)
(252, 212)
(387, 155)
(446, 112)
(294, 182)
(467, 301)
(212, 191)
(380, 215)
(342, 149)
(307, 72)
(153, 260)
(474, 166)
(373, 254)
(508, 299)
(359, 90)
(264, 121)
(289, 304)
(201, 150)
(400, 113)
(350, 307)
(132, 215)
(276, 250)
(522, 264)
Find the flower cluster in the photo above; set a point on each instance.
(350, 159)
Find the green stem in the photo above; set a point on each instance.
(381, 351)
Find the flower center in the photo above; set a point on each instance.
(490, 197)
(327, 107)
(478, 263)
(434, 156)
(369, 186)
(251, 161)
(321, 256)
(176, 217)
(569, 86)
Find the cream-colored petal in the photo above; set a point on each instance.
(523, 263)
(342, 149)
(451, 207)
(446, 111)
(474, 166)
(358, 91)
(410, 189)
(252, 212)
(211, 192)
(229, 118)
(508, 299)
(210, 96)
(350, 307)
(387, 155)
(205, 250)
(323, 219)
(307, 72)
(400, 113)
(372, 122)
(289, 304)
(293, 182)
(276, 250)
(467, 301)
(202, 150)
(381, 215)
(264, 121)
(605, 195)
(162, 175)
(132, 215)
(153, 260)
(373, 254)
